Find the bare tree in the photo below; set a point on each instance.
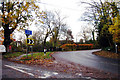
(69, 35)
(47, 25)
(59, 28)
(52, 26)
(37, 36)
(85, 33)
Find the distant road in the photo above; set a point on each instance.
(86, 58)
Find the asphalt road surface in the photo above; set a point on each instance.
(0, 65)
(15, 70)
(86, 58)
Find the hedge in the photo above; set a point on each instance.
(72, 47)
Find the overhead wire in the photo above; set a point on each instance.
(58, 6)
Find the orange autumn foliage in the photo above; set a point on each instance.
(76, 46)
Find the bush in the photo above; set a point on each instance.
(119, 49)
(84, 46)
(69, 47)
(37, 48)
(108, 49)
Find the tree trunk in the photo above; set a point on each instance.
(44, 44)
(7, 39)
(93, 35)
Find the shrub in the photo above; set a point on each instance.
(84, 46)
(72, 47)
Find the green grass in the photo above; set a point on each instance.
(37, 56)
(12, 55)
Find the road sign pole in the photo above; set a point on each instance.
(27, 47)
(31, 49)
(28, 32)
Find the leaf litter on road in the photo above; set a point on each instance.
(69, 68)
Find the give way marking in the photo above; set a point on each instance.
(45, 75)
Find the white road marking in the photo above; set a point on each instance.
(55, 73)
(19, 70)
(46, 75)
(22, 68)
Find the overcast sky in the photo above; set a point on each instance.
(69, 8)
(72, 9)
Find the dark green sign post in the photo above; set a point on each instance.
(27, 32)
(30, 42)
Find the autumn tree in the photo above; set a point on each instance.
(101, 14)
(16, 15)
(110, 20)
(115, 29)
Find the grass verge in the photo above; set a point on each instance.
(12, 55)
(107, 54)
(37, 56)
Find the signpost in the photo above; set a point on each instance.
(29, 40)
(28, 32)
(31, 48)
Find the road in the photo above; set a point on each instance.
(15, 70)
(0, 65)
(86, 58)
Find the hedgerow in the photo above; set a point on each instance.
(72, 47)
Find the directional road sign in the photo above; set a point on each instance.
(30, 41)
(28, 32)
